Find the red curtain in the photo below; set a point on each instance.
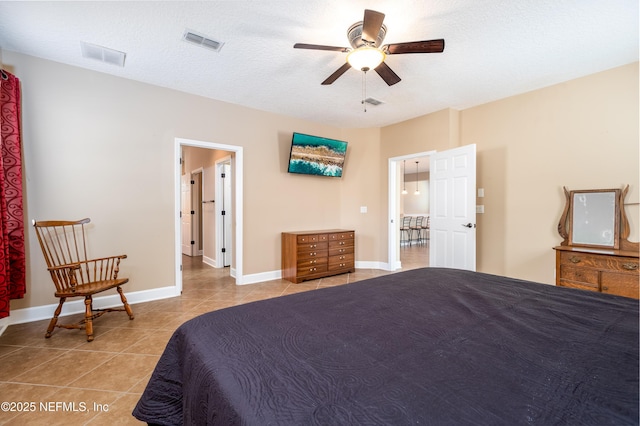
(12, 253)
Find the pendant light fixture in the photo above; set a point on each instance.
(404, 180)
(417, 190)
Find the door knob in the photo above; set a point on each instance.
(469, 225)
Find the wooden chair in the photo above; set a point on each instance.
(65, 251)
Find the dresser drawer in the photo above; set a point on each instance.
(341, 261)
(601, 262)
(336, 251)
(307, 265)
(341, 236)
(621, 284)
(312, 246)
(583, 276)
(312, 269)
(312, 253)
(340, 243)
(302, 239)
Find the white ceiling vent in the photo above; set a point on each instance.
(373, 101)
(102, 54)
(202, 40)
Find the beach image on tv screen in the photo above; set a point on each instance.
(317, 156)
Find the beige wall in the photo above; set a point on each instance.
(100, 146)
(103, 147)
(580, 134)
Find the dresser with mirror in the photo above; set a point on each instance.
(595, 253)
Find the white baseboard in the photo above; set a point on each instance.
(364, 264)
(209, 261)
(261, 277)
(71, 307)
(4, 323)
(36, 313)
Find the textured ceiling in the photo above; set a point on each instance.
(494, 49)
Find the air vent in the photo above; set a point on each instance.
(102, 54)
(202, 40)
(373, 101)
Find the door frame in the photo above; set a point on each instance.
(393, 257)
(219, 243)
(237, 271)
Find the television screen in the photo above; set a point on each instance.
(313, 155)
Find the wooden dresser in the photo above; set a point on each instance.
(606, 271)
(595, 253)
(307, 255)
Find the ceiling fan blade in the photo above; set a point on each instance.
(371, 25)
(320, 47)
(333, 77)
(425, 46)
(387, 74)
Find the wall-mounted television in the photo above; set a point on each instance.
(314, 155)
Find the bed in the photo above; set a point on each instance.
(429, 346)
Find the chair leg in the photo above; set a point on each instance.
(124, 302)
(88, 317)
(54, 320)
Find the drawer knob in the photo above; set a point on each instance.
(630, 266)
(574, 259)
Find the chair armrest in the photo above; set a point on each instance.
(64, 276)
(102, 268)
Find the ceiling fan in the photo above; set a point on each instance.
(366, 51)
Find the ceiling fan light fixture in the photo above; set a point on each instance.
(365, 58)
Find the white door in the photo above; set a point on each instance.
(185, 215)
(453, 208)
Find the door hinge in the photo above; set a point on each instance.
(223, 175)
(223, 212)
(193, 242)
(224, 250)
(193, 212)
(193, 182)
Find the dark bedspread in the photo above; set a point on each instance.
(428, 346)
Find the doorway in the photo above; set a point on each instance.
(419, 254)
(452, 188)
(237, 196)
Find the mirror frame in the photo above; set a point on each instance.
(621, 223)
(612, 219)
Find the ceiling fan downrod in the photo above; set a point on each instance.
(364, 88)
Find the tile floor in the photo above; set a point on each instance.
(65, 380)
